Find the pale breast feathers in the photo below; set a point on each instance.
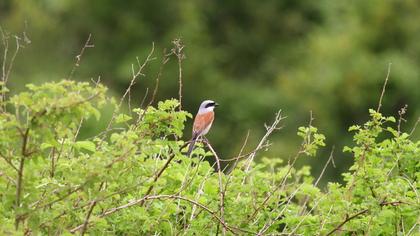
(202, 121)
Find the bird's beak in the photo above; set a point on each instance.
(216, 104)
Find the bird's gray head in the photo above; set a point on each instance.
(207, 105)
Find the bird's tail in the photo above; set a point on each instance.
(192, 144)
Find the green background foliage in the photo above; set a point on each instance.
(252, 57)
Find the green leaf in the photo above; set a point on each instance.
(87, 145)
(122, 118)
(46, 145)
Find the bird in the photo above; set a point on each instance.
(202, 122)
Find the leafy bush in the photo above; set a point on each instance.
(133, 178)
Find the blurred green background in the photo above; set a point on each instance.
(252, 57)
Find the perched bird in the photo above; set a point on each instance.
(202, 122)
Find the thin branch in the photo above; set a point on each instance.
(165, 60)
(270, 129)
(221, 192)
(9, 162)
(134, 76)
(178, 52)
(241, 156)
(236, 159)
(331, 158)
(283, 181)
(319, 178)
(49, 204)
(347, 219)
(6, 69)
(160, 172)
(383, 88)
(199, 193)
(267, 225)
(401, 114)
(19, 181)
(80, 55)
(85, 224)
(415, 126)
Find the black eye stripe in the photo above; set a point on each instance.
(211, 104)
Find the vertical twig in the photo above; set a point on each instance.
(221, 192)
(6, 69)
(19, 182)
(270, 129)
(401, 114)
(178, 52)
(383, 88)
(165, 59)
(80, 55)
(330, 158)
(134, 76)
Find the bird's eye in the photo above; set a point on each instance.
(210, 104)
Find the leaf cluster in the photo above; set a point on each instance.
(136, 180)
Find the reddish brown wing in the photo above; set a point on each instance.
(202, 121)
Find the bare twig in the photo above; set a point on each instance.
(331, 158)
(165, 59)
(283, 181)
(85, 224)
(414, 126)
(241, 156)
(197, 196)
(221, 191)
(236, 159)
(401, 114)
(325, 221)
(7, 68)
(347, 219)
(80, 55)
(178, 52)
(160, 172)
(318, 179)
(49, 204)
(9, 162)
(270, 129)
(306, 215)
(383, 88)
(135, 74)
(271, 222)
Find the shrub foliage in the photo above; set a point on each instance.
(134, 178)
